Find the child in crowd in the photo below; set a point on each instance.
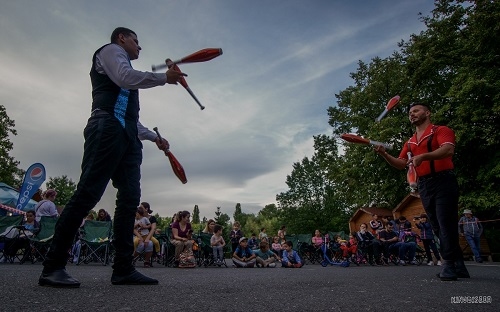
(243, 256)
(265, 257)
(252, 242)
(290, 258)
(235, 235)
(263, 234)
(276, 246)
(217, 242)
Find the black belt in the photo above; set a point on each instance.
(98, 112)
(435, 175)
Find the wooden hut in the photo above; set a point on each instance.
(364, 215)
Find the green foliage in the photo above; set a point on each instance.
(9, 172)
(196, 215)
(65, 188)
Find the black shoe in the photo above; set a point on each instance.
(133, 278)
(448, 271)
(58, 278)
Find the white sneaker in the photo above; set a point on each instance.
(272, 265)
(402, 262)
(439, 262)
(430, 263)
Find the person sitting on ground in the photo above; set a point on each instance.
(235, 235)
(252, 242)
(276, 246)
(209, 227)
(46, 207)
(142, 243)
(180, 228)
(427, 237)
(265, 257)
(217, 242)
(243, 256)
(291, 258)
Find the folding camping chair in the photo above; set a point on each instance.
(9, 232)
(40, 243)
(95, 242)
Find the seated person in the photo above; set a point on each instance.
(290, 258)
(265, 257)
(28, 228)
(142, 243)
(217, 242)
(347, 249)
(409, 240)
(390, 242)
(276, 246)
(243, 256)
(317, 239)
(252, 242)
(368, 243)
(180, 229)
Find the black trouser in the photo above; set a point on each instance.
(109, 154)
(439, 195)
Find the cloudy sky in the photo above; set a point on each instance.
(265, 97)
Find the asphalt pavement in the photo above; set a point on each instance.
(311, 288)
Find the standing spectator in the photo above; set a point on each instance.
(235, 235)
(432, 148)
(282, 233)
(427, 237)
(263, 234)
(217, 242)
(276, 246)
(112, 151)
(46, 207)
(471, 228)
(375, 225)
(180, 229)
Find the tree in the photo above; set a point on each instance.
(196, 215)
(9, 172)
(65, 188)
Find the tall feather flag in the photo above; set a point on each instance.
(33, 179)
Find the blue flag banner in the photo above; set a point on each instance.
(33, 179)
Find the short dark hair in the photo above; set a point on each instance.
(421, 104)
(289, 244)
(217, 228)
(121, 30)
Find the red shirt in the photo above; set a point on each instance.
(443, 135)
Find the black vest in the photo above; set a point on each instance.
(121, 103)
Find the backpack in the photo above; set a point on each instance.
(187, 259)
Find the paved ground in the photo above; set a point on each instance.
(311, 288)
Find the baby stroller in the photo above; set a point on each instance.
(326, 258)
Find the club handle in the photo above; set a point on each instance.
(161, 138)
(385, 145)
(379, 118)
